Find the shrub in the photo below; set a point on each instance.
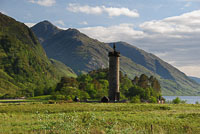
(183, 101)
(51, 102)
(153, 99)
(177, 100)
(57, 96)
(1, 95)
(43, 97)
(9, 96)
(135, 99)
(68, 98)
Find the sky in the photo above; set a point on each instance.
(170, 29)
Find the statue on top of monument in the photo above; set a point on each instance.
(114, 47)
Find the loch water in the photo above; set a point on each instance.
(188, 99)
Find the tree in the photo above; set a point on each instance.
(143, 81)
(126, 83)
(66, 81)
(136, 90)
(135, 80)
(90, 90)
(156, 85)
(70, 92)
(39, 91)
(84, 78)
(151, 88)
(84, 95)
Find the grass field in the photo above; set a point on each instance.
(99, 118)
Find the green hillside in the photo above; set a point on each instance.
(63, 70)
(84, 54)
(24, 67)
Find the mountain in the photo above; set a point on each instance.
(84, 54)
(24, 66)
(195, 79)
(45, 30)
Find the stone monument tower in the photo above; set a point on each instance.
(114, 94)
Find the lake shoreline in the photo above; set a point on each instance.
(188, 99)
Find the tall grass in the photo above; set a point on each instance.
(99, 118)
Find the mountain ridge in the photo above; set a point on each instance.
(195, 79)
(84, 54)
(46, 30)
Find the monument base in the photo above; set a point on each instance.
(115, 97)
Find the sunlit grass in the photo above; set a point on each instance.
(99, 118)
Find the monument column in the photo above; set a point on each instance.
(114, 67)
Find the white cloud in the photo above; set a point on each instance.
(46, 3)
(84, 9)
(174, 39)
(111, 11)
(30, 24)
(191, 70)
(84, 23)
(122, 32)
(186, 23)
(3, 12)
(60, 22)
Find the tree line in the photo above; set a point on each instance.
(95, 85)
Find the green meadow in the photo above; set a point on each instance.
(99, 118)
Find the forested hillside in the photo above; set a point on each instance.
(25, 70)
